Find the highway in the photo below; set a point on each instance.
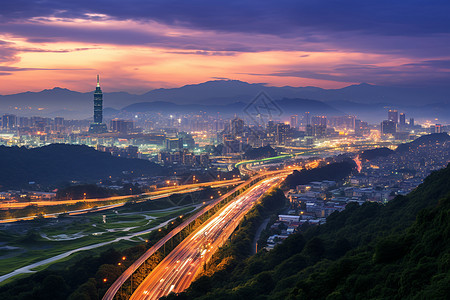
(179, 268)
(182, 189)
(161, 191)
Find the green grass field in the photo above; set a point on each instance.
(50, 237)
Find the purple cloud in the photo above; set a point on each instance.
(411, 29)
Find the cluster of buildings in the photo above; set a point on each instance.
(180, 139)
(380, 180)
(397, 126)
(26, 195)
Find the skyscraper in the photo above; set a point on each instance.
(98, 126)
(393, 115)
(361, 128)
(306, 118)
(388, 126)
(9, 121)
(237, 127)
(122, 126)
(402, 119)
(294, 121)
(282, 132)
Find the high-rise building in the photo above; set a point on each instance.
(341, 122)
(402, 119)
(59, 121)
(411, 122)
(282, 132)
(294, 121)
(24, 122)
(237, 127)
(393, 115)
(98, 126)
(122, 126)
(319, 121)
(388, 127)
(361, 128)
(231, 145)
(307, 119)
(9, 121)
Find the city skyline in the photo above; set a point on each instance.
(324, 44)
(199, 149)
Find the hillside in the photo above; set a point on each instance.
(57, 163)
(400, 250)
(335, 171)
(377, 152)
(430, 139)
(425, 140)
(261, 152)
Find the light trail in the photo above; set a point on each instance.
(179, 268)
(159, 192)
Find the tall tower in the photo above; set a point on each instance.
(98, 126)
(98, 103)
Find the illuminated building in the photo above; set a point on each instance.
(237, 127)
(388, 127)
(294, 121)
(402, 119)
(98, 126)
(9, 122)
(282, 132)
(393, 115)
(172, 144)
(341, 122)
(361, 128)
(319, 121)
(122, 126)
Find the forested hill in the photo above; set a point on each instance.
(425, 140)
(375, 153)
(430, 139)
(400, 250)
(334, 171)
(57, 163)
(261, 152)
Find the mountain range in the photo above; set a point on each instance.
(367, 101)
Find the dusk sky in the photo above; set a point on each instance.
(138, 45)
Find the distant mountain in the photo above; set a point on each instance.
(235, 90)
(60, 102)
(286, 107)
(365, 100)
(57, 163)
